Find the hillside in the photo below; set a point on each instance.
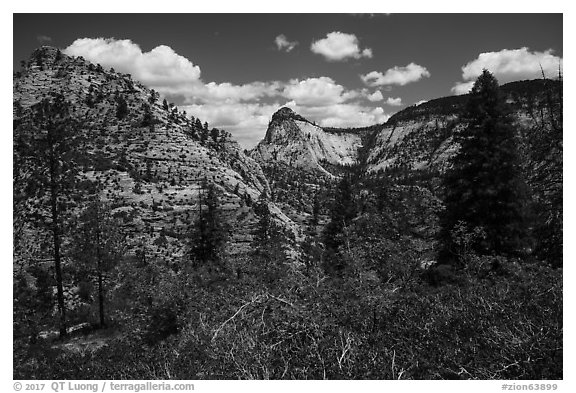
(151, 162)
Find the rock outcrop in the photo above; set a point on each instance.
(292, 140)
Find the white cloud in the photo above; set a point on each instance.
(396, 76)
(161, 68)
(166, 71)
(226, 92)
(244, 110)
(246, 121)
(509, 65)
(462, 88)
(376, 96)
(338, 46)
(321, 91)
(394, 101)
(282, 43)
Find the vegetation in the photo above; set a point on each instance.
(484, 188)
(105, 288)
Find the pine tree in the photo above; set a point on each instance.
(208, 235)
(316, 207)
(122, 108)
(153, 97)
(268, 244)
(341, 215)
(46, 145)
(99, 246)
(484, 188)
(264, 227)
(148, 117)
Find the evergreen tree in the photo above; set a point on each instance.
(208, 236)
(122, 108)
(484, 188)
(46, 146)
(316, 209)
(268, 244)
(148, 117)
(341, 215)
(263, 230)
(336, 232)
(165, 104)
(153, 97)
(99, 245)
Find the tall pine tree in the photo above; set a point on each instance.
(46, 156)
(484, 188)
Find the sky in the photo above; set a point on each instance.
(341, 70)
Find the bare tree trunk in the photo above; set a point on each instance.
(56, 239)
(100, 278)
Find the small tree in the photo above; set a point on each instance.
(208, 234)
(153, 97)
(121, 108)
(148, 117)
(99, 245)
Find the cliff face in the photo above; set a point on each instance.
(292, 140)
(150, 169)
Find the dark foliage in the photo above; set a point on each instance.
(484, 188)
(208, 235)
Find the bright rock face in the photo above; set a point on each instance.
(295, 141)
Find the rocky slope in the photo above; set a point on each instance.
(151, 171)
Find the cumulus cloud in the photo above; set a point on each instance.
(394, 101)
(338, 46)
(246, 121)
(161, 68)
(509, 65)
(282, 43)
(396, 75)
(164, 70)
(462, 88)
(218, 93)
(321, 91)
(376, 96)
(245, 109)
